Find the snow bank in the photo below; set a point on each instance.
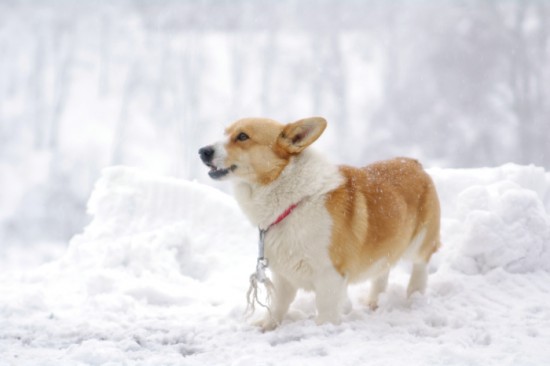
(160, 274)
(159, 225)
(160, 240)
(496, 218)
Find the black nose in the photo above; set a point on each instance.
(206, 153)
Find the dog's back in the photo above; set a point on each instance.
(378, 213)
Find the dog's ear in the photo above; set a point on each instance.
(298, 135)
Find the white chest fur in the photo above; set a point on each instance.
(297, 247)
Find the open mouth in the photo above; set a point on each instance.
(218, 173)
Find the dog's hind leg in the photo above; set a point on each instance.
(419, 275)
(378, 285)
(347, 306)
(428, 237)
(419, 278)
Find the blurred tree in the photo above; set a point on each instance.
(527, 64)
(455, 83)
(448, 83)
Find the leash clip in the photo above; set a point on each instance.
(260, 276)
(261, 266)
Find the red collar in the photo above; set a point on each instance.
(284, 215)
(262, 262)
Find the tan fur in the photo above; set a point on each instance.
(270, 146)
(261, 152)
(377, 213)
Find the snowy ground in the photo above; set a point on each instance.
(159, 278)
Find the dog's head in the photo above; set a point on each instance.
(257, 150)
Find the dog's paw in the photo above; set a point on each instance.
(372, 304)
(267, 324)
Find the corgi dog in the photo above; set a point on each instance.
(326, 226)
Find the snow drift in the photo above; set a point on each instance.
(500, 217)
(160, 275)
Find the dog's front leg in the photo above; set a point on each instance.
(330, 296)
(283, 295)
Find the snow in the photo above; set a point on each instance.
(160, 274)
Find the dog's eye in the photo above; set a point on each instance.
(242, 136)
